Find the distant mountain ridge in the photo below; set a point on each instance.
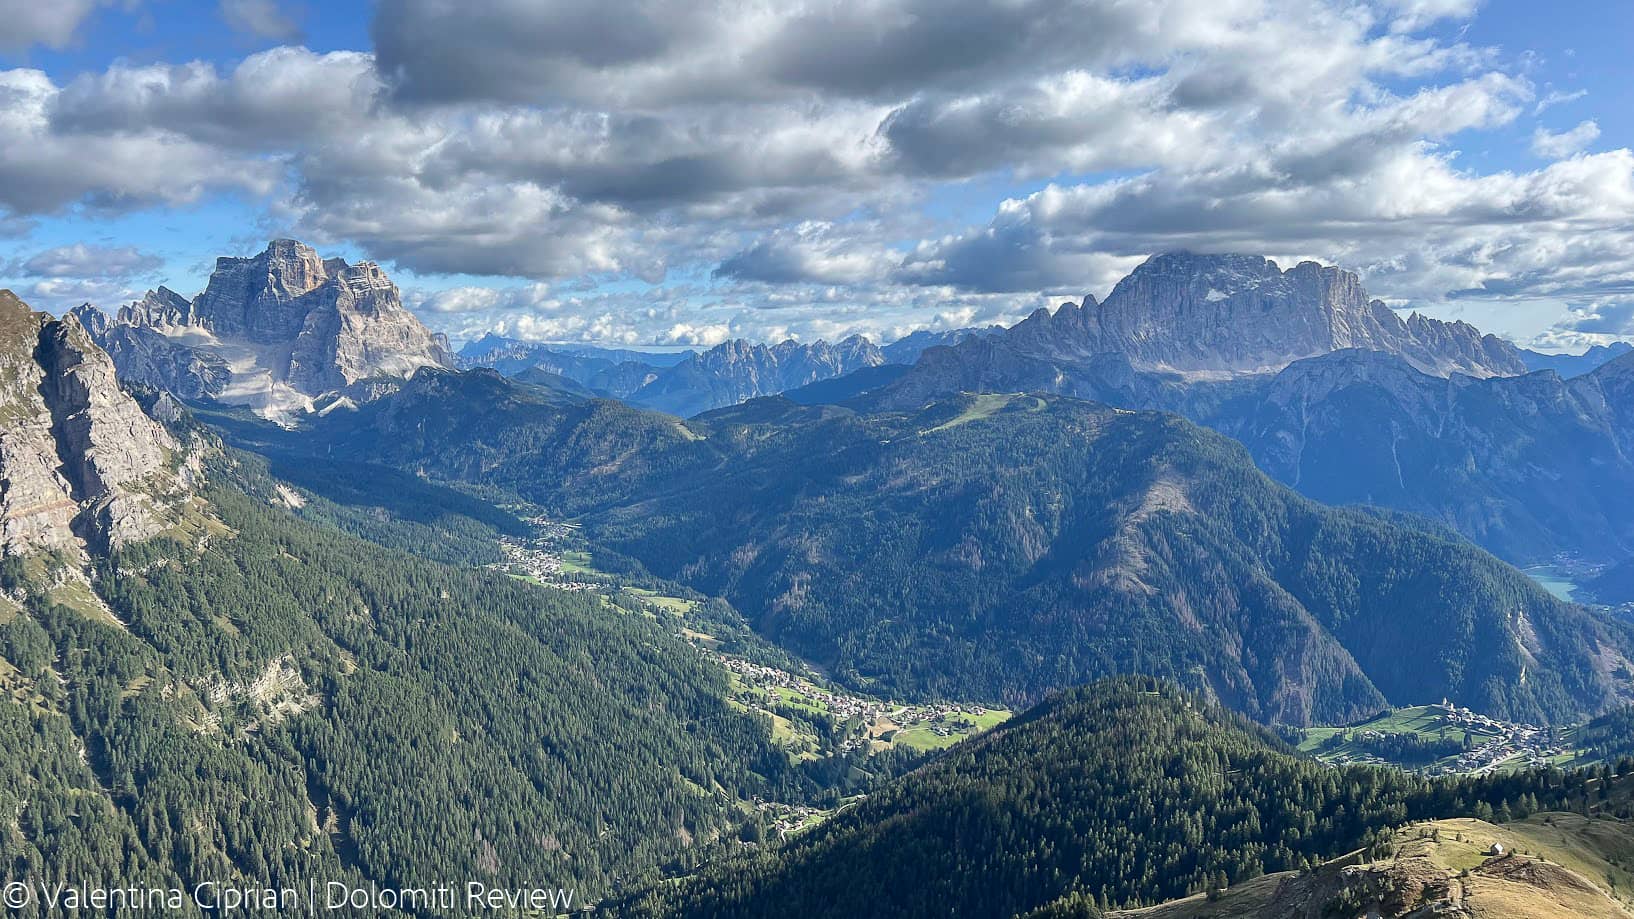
(274, 331)
(1575, 365)
(738, 370)
(617, 372)
(689, 382)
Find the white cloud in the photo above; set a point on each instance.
(1566, 143)
(43, 169)
(753, 168)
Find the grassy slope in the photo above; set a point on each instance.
(1572, 866)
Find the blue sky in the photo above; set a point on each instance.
(641, 172)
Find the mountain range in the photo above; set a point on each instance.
(1575, 365)
(688, 382)
(1334, 397)
(207, 677)
(246, 634)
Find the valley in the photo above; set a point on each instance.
(809, 714)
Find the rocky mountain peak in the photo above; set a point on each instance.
(91, 319)
(275, 330)
(157, 308)
(80, 464)
(1232, 314)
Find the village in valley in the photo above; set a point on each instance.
(813, 718)
(542, 557)
(809, 715)
(1441, 739)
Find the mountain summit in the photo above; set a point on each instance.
(274, 331)
(1233, 314)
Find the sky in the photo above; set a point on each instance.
(642, 172)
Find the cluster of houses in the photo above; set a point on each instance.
(843, 706)
(874, 718)
(1511, 744)
(538, 555)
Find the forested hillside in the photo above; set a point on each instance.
(999, 546)
(1121, 793)
(254, 698)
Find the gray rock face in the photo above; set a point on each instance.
(739, 370)
(146, 356)
(1225, 314)
(274, 331)
(80, 464)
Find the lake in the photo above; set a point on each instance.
(1553, 580)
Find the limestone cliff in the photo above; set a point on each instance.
(80, 464)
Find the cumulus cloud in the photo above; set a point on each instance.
(768, 169)
(1565, 143)
(45, 167)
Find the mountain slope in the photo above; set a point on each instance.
(1122, 792)
(80, 464)
(1555, 866)
(1000, 546)
(1527, 466)
(226, 693)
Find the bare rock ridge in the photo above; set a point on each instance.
(274, 331)
(80, 464)
(1232, 314)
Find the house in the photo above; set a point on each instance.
(1496, 851)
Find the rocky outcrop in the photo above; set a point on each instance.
(80, 464)
(274, 331)
(148, 357)
(157, 309)
(739, 370)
